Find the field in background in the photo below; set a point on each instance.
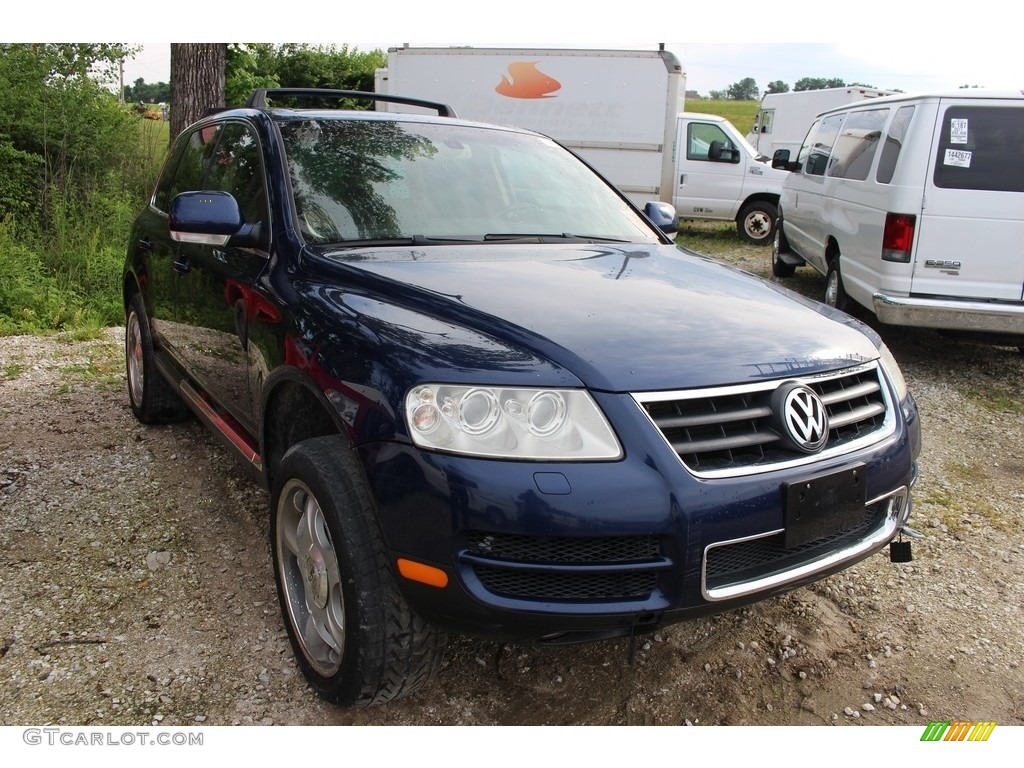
(739, 113)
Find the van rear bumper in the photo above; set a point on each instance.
(950, 314)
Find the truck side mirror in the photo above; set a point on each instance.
(781, 160)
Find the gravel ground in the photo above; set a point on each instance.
(136, 585)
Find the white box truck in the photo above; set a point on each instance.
(783, 119)
(620, 110)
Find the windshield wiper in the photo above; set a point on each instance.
(547, 237)
(397, 242)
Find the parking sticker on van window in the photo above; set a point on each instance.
(958, 130)
(958, 158)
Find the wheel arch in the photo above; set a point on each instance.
(294, 410)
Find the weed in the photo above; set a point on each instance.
(13, 369)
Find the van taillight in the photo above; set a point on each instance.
(898, 236)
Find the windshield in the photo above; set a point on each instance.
(358, 180)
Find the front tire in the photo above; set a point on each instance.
(756, 222)
(356, 639)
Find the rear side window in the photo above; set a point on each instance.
(980, 148)
(821, 145)
(858, 141)
(893, 144)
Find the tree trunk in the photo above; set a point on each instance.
(197, 81)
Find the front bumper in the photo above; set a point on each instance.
(598, 549)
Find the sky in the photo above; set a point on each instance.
(880, 44)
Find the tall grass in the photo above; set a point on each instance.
(739, 113)
(66, 274)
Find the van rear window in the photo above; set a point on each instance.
(855, 148)
(981, 148)
(893, 144)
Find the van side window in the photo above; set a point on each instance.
(980, 148)
(817, 160)
(705, 141)
(893, 144)
(857, 143)
(805, 148)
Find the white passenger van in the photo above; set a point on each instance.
(913, 207)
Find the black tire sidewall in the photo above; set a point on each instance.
(834, 271)
(373, 604)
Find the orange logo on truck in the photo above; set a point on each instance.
(525, 81)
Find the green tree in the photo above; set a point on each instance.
(744, 90)
(294, 65)
(817, 83)
(149, 93)
(778, 86)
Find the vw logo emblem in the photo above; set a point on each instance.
(804, 419)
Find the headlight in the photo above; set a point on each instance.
(514, 423)
(892, 370)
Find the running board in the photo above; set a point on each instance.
(222, 427)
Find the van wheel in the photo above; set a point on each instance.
(356, 639)
(756, 222)
(835, 293)
(779, 246)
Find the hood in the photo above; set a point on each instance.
(626, 318)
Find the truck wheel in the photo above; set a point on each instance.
(356, 639)
(152, 397)
(756, 222)
(779, 246)
(835, 293)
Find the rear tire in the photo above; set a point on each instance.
(780, 245)
(756, 222)
(152, 398)
(835, 293)
(356, 639)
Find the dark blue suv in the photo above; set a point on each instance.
(488, 395)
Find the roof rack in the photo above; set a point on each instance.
(258, 100)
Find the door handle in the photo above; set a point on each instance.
(183, 265)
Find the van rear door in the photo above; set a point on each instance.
(971, 231)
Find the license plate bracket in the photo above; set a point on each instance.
(824, 504)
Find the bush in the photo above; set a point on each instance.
(77, 166)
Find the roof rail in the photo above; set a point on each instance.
(258, 100)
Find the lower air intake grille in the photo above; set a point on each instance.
(758, 558)
(565, 568)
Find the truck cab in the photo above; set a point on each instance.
(721, 176)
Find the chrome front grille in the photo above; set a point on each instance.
(733, 430)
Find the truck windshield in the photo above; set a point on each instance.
(358, 179)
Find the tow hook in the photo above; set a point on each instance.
(899, 550)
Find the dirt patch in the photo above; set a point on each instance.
(136, 584)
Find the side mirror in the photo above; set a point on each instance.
(210, 218)
(663, 216)
(781, 160)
